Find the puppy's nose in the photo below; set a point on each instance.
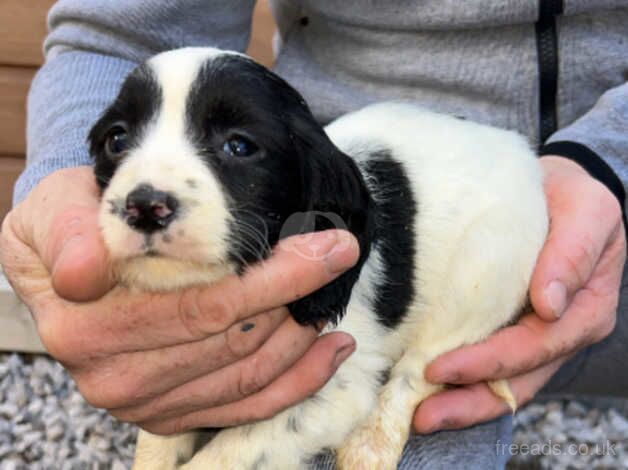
(149, 210)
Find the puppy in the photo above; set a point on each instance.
(205, 157)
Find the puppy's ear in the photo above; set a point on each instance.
(334, 195)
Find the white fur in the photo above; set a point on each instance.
(481, 221)
(168, 161)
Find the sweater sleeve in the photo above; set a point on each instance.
(598, 141)
(91, 48)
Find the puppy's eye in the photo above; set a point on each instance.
(117, 142)
(238, 146)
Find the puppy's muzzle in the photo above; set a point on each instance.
(148, 210)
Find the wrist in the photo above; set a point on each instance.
(591, 162)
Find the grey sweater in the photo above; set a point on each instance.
(478, 58)
(489, 61)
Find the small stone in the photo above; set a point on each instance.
(554, 417)
(593, 416)
(55, 432)
(98, 442)
(617, 425)
(8, 410)
(5, 449)
(118, 465)
(575, 409)
(585, 434)
(553, 406)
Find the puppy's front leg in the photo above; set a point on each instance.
(379, 442)
(154, 452)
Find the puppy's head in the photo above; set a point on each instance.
(202, 159)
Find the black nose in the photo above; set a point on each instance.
(149, 210)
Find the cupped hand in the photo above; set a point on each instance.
(208, 356)
(574, 293)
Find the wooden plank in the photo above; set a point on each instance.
(10, 169)
(22, 31)
(14, 84)
(262, 31)
(16, 323)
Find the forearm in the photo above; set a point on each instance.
(91, 48)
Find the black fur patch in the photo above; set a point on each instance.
(296, 169)
(395, 214)
(292, 423)
(137, 104)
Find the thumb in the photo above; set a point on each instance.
(568, 259)
(79, 262)
(59, 220)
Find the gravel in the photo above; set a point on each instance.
(569, 434)
(45, 424)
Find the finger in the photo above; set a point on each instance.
(79, 259)
(574, 244)
(143, 321)
(21, 264)
(465, 406)
(302, 380)
(240, 379)
(532, 342)
(60, 226)
(142, 376)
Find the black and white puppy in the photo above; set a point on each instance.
(204, 158)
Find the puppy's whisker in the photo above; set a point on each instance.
(254, 233)
(254, 247)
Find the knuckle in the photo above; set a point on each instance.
(128, 415)
(189, 312)
(241, 342)
(107, 394)
(139, 413)
(546, 352)
(158, 429)
(607, 202)
(255, 375)
(168, 427)
(606, 324)
(66, 341)
(203, 316)
(56, 339)
(581, 258)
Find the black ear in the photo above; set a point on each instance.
(334, 195)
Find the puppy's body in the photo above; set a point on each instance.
(450, 216)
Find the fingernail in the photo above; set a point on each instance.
(556, 295)
(343, 254)
(342, 354)
(313, 245)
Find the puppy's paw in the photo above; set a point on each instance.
(245, 448)
(366, 449)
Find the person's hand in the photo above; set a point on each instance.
(212, 356)
(574, 291)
